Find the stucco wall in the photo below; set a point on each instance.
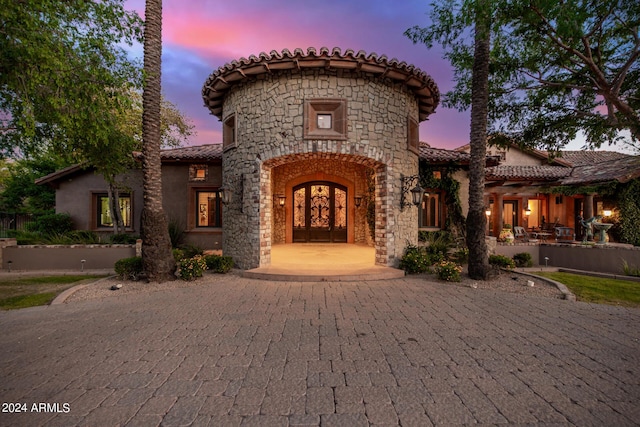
(64, 257)
(269, 132)
(74, 196)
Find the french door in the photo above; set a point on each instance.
(319, 212)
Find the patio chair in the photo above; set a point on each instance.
(520, 233)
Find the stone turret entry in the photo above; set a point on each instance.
(319, 213)
(305, 135)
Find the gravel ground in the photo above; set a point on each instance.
(505, 282)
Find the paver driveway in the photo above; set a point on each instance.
(236, 351)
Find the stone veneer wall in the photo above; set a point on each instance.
(269, 134)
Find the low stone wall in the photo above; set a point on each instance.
(603, 259)
(63, 257)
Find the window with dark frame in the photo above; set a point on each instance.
(229, 132)
(208, 208)
(413, 135)
(104, 217)
(430, 211)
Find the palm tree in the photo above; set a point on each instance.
(157, 258)
(476, 220)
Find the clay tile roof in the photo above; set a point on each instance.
(525, 173)
(207, 152)
(441, 155)
(622, 169)
(580, 158)
(222, 79)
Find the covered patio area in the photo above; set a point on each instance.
(318, 262)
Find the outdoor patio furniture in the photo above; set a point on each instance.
(564, 233)
(520, 233)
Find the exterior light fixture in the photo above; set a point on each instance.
(358, 201)
(410, 184)
(417, 193)
(527, 211)
(281, 200)
(487, 212)
(225, 195)
(607, 212)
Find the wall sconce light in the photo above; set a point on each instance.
(607, 212)
(487, 212)
(225, 195)
(281, 200)
(410, 184)
(527, 211)
(358, 201)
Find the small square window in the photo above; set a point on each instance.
(324, 121)
(198, 172)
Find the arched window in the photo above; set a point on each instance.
(430, 212)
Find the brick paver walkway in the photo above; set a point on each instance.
(247, 352)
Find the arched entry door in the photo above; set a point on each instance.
(319, 212)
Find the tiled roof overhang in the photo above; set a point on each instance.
(201, 153)
(238, 71)
(448, 157)
(526, 173)
(623, 169)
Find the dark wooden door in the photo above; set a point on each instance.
(320, 213)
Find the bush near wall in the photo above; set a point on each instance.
(218, 263)
(129, 268)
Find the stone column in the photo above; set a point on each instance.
(588, 206)
(588, 210)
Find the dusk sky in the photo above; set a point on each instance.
(199, 36)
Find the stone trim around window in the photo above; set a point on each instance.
(198, 173)
(325, 119)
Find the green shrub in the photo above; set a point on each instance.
(501, 261)
(461, 255)
(59, 223)
(129, 268)
(191, 268)
(415, 260)
(178, 254)
(523, 259)
(438, 244)
(189, 251)
(123, 239)
(27, 237)
(218, 263)
(630, 270)
(448, 271)
(83, 237)
(176, 233)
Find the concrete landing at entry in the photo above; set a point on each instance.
(319, 262)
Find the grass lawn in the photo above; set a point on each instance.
(21, 292)
(599, 290)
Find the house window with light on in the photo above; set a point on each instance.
(209, 209)
(104, 217)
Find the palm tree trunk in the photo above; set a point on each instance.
(476, 220)
(157, 258)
